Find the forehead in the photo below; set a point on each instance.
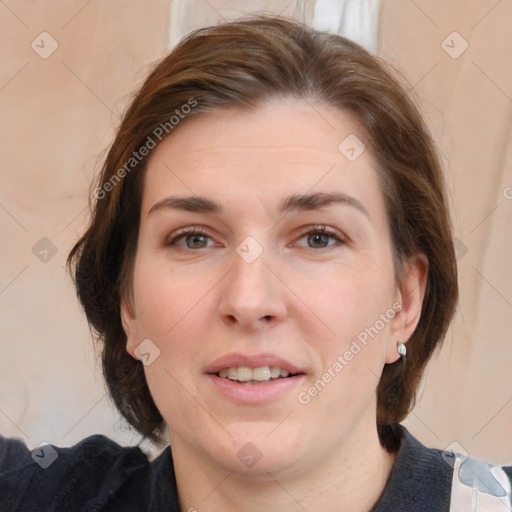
(285, 146)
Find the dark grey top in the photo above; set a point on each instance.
(98, 474)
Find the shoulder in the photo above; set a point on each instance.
(420, 479)
(92, 473)
(479, 485)
(425, 479)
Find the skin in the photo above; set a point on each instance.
(305, 298)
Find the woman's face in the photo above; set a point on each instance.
(263, 287)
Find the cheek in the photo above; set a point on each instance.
(350, 343)
(173, 311)
(166, 299)
(346, 298)
(347, 332)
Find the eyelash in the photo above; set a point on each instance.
(308, 230)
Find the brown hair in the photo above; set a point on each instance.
(240, 64)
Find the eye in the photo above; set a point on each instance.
(319, 236)
(195, 238)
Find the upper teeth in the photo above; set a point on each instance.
(245, 374)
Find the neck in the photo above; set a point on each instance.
(350, 480)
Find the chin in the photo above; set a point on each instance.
(262, 447)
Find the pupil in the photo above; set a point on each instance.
(317, 236)
(195, 237)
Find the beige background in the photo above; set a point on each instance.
(58, 115)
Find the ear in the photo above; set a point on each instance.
(129, 322)
(410, 295)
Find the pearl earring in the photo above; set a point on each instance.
(401, 349)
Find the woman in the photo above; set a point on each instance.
(269, 267)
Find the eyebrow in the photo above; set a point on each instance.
(297, 202)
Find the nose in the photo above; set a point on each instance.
(253, 295)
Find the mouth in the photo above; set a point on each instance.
(254, 379)
(251, 376)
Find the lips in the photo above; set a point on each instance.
(252, 361)
(254, 393)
